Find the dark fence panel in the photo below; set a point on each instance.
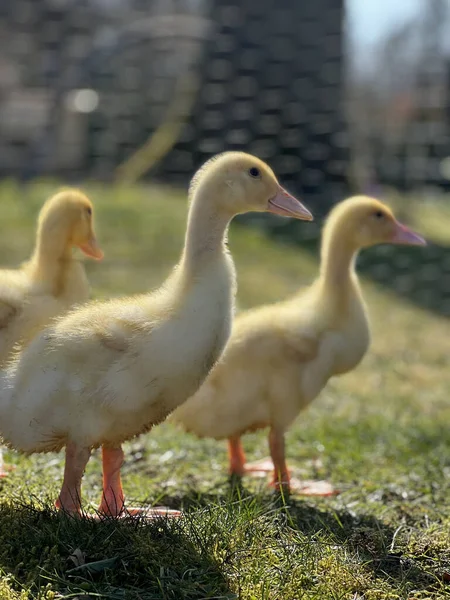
(105, 89)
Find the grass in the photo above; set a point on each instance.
(380, 433)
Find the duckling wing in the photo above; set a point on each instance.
(277, 333)
(13, 292)
(8, 310)
(81, 378)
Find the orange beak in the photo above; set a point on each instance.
(287, 206)
(92, 249)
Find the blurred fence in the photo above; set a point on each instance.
(123, 89)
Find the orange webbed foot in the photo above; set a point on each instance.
(142, 512)
(259, 467)
(312, 488)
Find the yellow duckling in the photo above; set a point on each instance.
(52, 281)
(280, 357)
(109, 371)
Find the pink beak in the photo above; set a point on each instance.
(92, 249)
(404, 235)
(287, 206)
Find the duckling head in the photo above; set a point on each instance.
(366, 222)
(242, 183)
(69, 213)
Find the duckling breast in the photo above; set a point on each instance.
(351, 341)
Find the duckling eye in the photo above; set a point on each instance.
(379, 214)
(254, 172)
(89, 210)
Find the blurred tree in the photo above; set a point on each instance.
(399, 130)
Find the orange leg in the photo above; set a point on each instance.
(236, 456)
(238, 466)
(113, 499)
(281, 477)
(277, 452)
(69, 498)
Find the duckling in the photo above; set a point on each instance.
(52, 281)
(109, 371)
(280, 357)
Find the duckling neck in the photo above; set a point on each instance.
(337, 272)
(48, 258)
(205, 236)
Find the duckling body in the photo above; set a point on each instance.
(109, 371)
(284, 354)
(26, 305)
(280, 357)
(133, 346)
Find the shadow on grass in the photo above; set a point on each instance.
(187, 559)
(132, 558)
(366, 539)
(369, 540)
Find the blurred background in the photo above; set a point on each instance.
(339, 97)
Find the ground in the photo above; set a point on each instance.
(381, 434)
